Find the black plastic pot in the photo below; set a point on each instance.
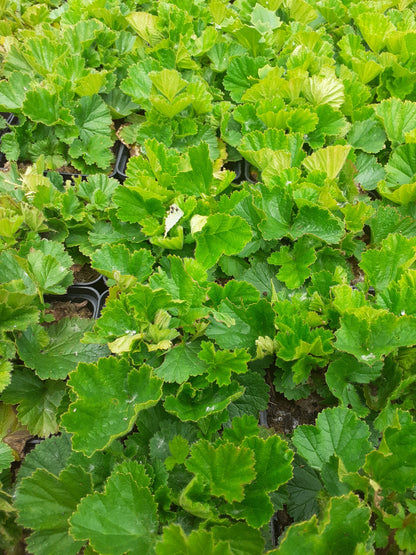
(101, 303)
(8, 119)
(248, 173)
(77, 294)
(272, 523)
(122, 158)
(238, 168)
(121, 155)
(31, 444)
(99, 284)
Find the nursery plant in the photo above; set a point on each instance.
(224, 294)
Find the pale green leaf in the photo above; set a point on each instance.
(398, 117)
(329, 160)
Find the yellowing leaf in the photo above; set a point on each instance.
(324, 90)
(329, 160)
(145, 25)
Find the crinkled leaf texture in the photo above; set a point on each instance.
(342, 528)
(111, 260)
(220, 540)
(393, 465)
(371, 334)
(337, 432)
(45, 502)
(196, 404)
(55, 351)
(273, 468)
(221, 234)
(122, 519)
(110, 394)
(38, 401)
(239, 327)
(381, 266)
(225, 469)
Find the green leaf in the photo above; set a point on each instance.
(367, 135)
(184, 284)
(145, 25)
(92, 117)
(345, 371)
(198, 181)
(221, 234)
(220, 364)
(14, 319)
(264, 20)
(371, 334)
(175, 541)
(110, 395)
(6, 456)
(343, 526)
(112, 260)
(273, 462)
(401, 167)
(38, 401)
(98, 190)
(55, 351)
(122, 519)
(375, 28)
(45, 502)
(138, 84)
(191, 404)
(249, 323)
(180, 363)
(398, 117)
(44, 107)
(397, 254)
(295, 263)
(320, 90)
(319, 222)
(51, 455)
(369, 171)
(393, 464)
(400, 297)
(240, 537)
(48, 272)
(356, 215)
(179, 449)
(13, 91)
(329, 160)
(208, 463)
(303, 492)
(242, 73)
(388, 220)
(339, 432)
(277, 206)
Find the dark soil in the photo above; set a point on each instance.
(284, 416)
(84, 273)
(69, 309)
